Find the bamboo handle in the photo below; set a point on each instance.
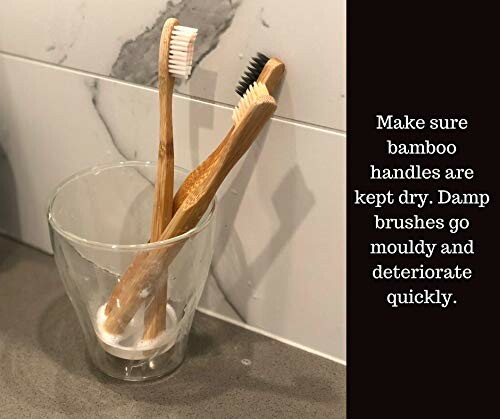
(164, 189)
(144, 271)
(156, 309)
(270, 75)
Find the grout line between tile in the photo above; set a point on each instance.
(221, 105)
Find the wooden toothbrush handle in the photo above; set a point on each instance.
(145, 269)
(156, 308)
(271, 76)
(199, 175)
(164, 187)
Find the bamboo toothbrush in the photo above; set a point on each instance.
(174, 60)
(262, 69)
(252, 112)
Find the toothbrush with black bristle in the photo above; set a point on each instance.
(174, 61)
(261, 69)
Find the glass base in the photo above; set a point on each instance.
(155, 367)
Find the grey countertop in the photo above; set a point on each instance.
(45, 372)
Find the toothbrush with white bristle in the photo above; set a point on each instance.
(175, 61)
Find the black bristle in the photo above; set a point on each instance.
(247, 80)
(252, 73)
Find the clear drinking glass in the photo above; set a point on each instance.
(99, 223)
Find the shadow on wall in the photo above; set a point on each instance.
(9, 207)
(9, 211)
(206, 83)
(235, 276)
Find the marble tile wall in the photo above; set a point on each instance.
(279, 264)
(120, 38)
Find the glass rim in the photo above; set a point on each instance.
(121, 247)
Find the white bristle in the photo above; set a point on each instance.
(181, 51)
(254, 92)
(185, 29)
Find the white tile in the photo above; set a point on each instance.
(89, 35)
(280, 256)
(281, 245)
(50, 129)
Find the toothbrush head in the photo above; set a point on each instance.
(180, 52)
(252, 73)
(253, 93)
